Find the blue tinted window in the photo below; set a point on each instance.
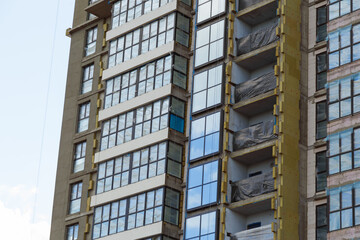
(203, 227)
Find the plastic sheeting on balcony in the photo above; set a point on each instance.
(255, 87)
(260, 233)
(257, 39)
(252, 187)
(254, 135)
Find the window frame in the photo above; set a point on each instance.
(327, 219)
(201, 214)
(321, 72)
(83, 150)
(73, 227)
(86, 116)
(319, 25)
(94, 32)
(219, 162)
(321, 121)
(87, 79)
(320, 172)
(339, 2)
(77, 197)
(206, 20)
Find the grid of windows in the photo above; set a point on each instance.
(344, 46)
(344, 151)
(75, 198)
(338, 8)
(344, 207)
(153, 75)
(79, 157)
(202, 185)
(344, 97)
(321, 70)
(88, 74)
(321, 120)
(203, 226)
(91, 36)
(321, 172)
(209, 8)
(205, 136)
(127, 10)
(149, 37)
(321, 21)
(207, 89)
(321, 222)
(209, 43)
(143, 121)
(84, 113)
(72, 232)
(140, 165)
(136, 211)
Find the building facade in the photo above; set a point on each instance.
(210, 119)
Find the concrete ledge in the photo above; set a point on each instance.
(137, 233)
(139, 60)
(253, 205)
(257, 104)
(132, 145)
(128, 190)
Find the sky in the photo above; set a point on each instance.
(27, 33)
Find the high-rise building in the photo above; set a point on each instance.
(211, 119)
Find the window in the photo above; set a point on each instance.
(84, 113)
(124, 10)
(203, 226)
(205, 136)
(209, 8)
(321, 120)
(161, 237)
(143, 121)
(79, 157)
(339, 8)
(72, 232)
(321, 70)
(75, 198)
(321, 222)
(321, 24)
(91, 36)
(344, 97)
(202, 185)
(344, 46)
(209, 43)
(207, 89)
(321, 172)
(149, 37)
(140, 165)
(88, 74)
(344, 151)
(137, 211)
(344, 207)
(153, 75)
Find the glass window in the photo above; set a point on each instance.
(91, 36)
(75, 198)
(209, 43)
(207, 88)
(149, 37)
(140, 165)
(201, 227)
(321, 120)
(209, 8)
(205, 136)
(321, 24)
(72, 232)
(338, 8)
(88, 74)
(136, 211)
(321, 222)
(142, 121)
(321, 69)
(202, 185)
(79, 157)
(84, 113)
(321, 172)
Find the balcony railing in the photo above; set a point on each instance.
(257, 39)
(252, 187)
(255, 87)
(260, 233)
(254, 135)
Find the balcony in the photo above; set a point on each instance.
(254, 12)
(259, 233)
(257, 49)
(252, 187)
(100, 8)
(256, 95)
